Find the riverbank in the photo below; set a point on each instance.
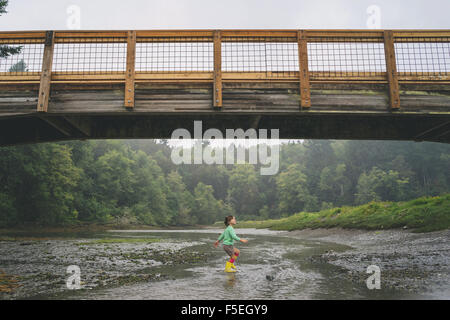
(413, 262)
(423, 214)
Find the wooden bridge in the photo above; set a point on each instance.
(315, 84)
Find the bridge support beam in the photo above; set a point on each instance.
(65, 126)
(391, 70)
(305, 94)
(129, 75)
(434, 133)
(46, 74)
(83, 126)
(217, 90)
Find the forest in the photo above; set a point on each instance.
(136, 182)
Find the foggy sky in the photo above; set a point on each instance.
(225, 14)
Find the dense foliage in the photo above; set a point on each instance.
(423, 214)
(135, 181)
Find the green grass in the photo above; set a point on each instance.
(424, 214)
(120, 240)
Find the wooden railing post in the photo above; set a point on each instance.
(217, 95)
(46, 74)
(305, 93)
(130, 72)
(391, 70)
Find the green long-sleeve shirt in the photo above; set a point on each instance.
(228, 236)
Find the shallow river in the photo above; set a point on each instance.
(271, 266)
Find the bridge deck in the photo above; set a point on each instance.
(144, 84)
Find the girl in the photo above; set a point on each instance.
(228, 237)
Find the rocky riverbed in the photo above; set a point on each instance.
(414, 262)
(38, 267)
(181, 264)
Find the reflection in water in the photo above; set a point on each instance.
(230, 281)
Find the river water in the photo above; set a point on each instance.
(271, 266)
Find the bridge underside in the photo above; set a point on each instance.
(338, 111)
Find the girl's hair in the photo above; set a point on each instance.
(227, 220)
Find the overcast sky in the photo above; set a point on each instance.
(224, 14)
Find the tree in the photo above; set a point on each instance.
(115, 178)
(334, 185)
(318, 155)
(293, 193)
(243, 192)
(3, 4)
(206, 208)
(58, 179)
(379, 185)
(20, 66)
(6, 51)
(180, 201)
(97, 180)
(42, 186)
(149, 199)
(8, 212)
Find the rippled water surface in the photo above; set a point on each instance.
(271, 266)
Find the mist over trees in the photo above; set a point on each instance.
(135, 181)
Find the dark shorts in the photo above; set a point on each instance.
(228, 249)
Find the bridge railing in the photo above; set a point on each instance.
(217, 56)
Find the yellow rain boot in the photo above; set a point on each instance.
(228, 267)
(232, 264)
